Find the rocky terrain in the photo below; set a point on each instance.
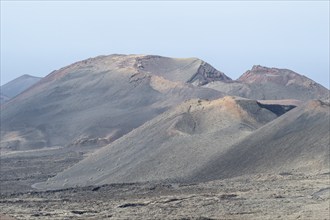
(274, 196)
(151, 137)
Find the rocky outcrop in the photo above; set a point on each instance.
(206, 73)
(187, 70)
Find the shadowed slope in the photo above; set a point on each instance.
(95, 101)
(297, 141)
(171, 145)
(272, 83)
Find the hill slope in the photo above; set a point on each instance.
(272, 83)
(297, 141)
(172, 145)
(95, 101)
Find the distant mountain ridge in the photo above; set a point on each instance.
(262, 74)
(272, 83)
(17, 86)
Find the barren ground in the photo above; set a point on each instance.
(268, 196)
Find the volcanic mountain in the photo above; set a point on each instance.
(173, 145)
(272, 83)
(298, 141)
(95, 101)
(154, 129)
(16, 86)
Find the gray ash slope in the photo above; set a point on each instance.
(171, 146)
(207, 140)
(95, 101)
(272, 83)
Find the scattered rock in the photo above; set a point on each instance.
(228, 196)
(96, 188)
(126, 205)
(81, 212)
(322, 194)
(285, 174)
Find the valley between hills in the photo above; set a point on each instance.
(152, 137)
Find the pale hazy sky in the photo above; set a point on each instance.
(38, 37)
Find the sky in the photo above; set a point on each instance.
(38, 37)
